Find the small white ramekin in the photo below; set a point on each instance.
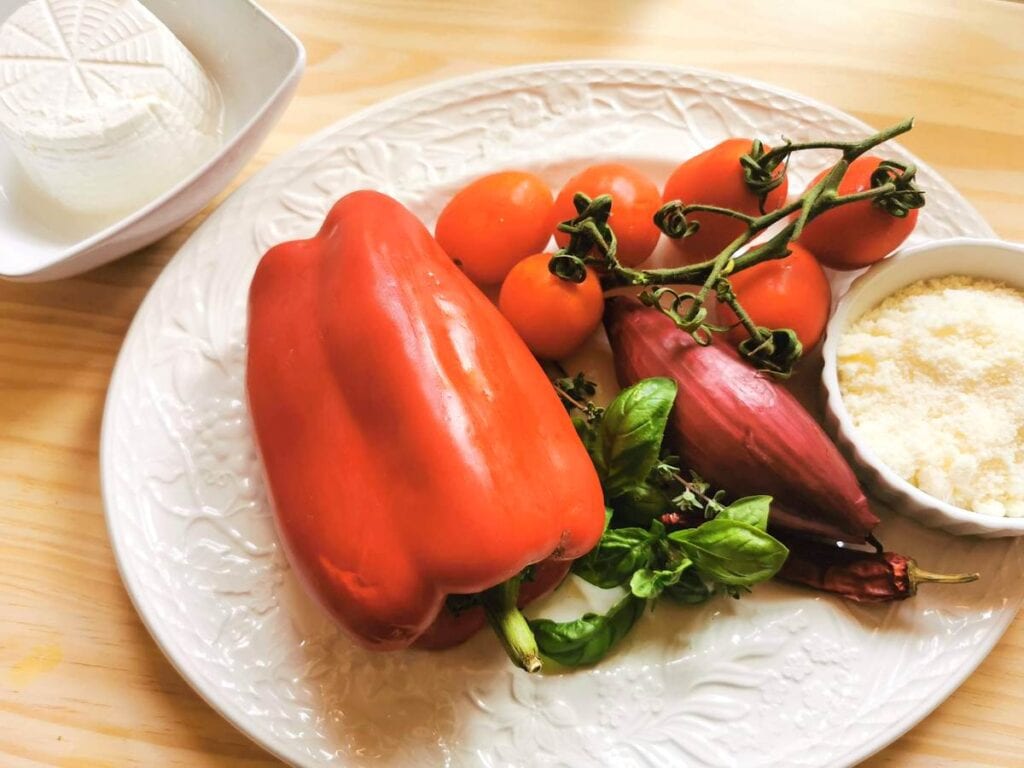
(990, 259)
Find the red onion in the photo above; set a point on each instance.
(739, 429)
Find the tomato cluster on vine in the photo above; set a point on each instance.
(499, 228)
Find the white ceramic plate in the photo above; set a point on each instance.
(257, 65)
(784, 677)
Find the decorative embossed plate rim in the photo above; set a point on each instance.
(190, 325)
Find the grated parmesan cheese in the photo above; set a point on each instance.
(933, 378)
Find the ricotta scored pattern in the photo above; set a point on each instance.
(102, 105)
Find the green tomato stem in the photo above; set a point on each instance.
(772, 249)
(850, 150)
(749, 220)
(727, 296)
(589, 229)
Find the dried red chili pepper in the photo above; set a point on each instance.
(864, 577)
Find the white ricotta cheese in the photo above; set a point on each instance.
(934, 380)
(101, 104)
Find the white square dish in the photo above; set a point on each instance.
(257, 65)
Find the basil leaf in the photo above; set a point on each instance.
(732, 552)
(752, 510)
(649, 584)
(690, 589)
(619, 553)
(632, 431)
(587, 639)
(640, 504)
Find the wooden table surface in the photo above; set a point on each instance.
(82, 685)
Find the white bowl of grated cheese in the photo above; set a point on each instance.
(924, 377)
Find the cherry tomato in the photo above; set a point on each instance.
(715, 177)
(553, 316)
(783, 293)
(856, 235)
(635, 200)
(495, 222)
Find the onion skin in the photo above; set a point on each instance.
(739, 429)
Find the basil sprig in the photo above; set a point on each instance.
(728, 548)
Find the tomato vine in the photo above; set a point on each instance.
(592, 242)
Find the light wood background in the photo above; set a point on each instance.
(82, 685)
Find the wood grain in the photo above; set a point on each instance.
(82, 685)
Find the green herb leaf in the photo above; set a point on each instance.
(649, 584)
(578, 388)
(588, 639)
(620, 553)
(640, 504)
(590, 437)
(752, 510)
(732, 552)
(690, 589)
(631, 433)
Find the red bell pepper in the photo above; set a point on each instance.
(412, 445)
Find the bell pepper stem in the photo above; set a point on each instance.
(503, 614)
